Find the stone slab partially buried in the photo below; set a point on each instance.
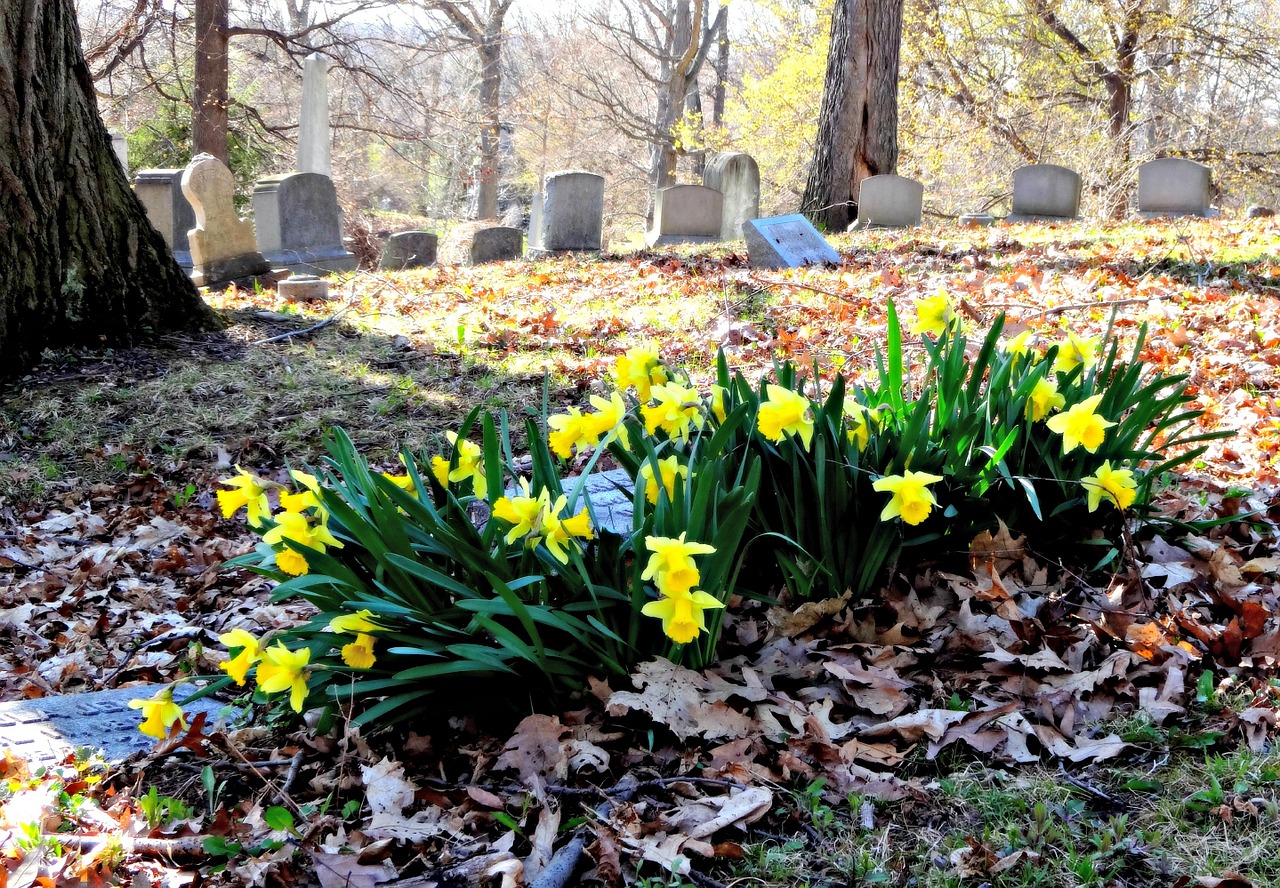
(889, 201)
(299, 224)
(168, 209)
(409, 249)
(686, 214)
(44, 731)
(786, 242)
(737, 177)
(1174, 186)
(568, 214)
(1045, 192)
(223, 247)
(476, 243)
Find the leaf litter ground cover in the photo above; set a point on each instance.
(995, 718)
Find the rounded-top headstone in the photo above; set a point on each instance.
(737, 176)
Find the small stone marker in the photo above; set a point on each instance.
(44, 731)
(786, 242)
(303, 288)
(977, 220)
(299, 224)
(737, 177)
(475, 243)
(686, 214)
(1259, 212)
(120, 145)
(568, 215)
(313, 120)
(889, 201)
(168, 209)
(1045, 192)
(1173, 186)
(223, 247)
(409, 249)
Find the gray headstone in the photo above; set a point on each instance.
(223, 247)
(786, 242)
(168, 209)
(686, 214)
(409, 249)
(313, 120)
(737, 177)
(303, 288)
(977, 220)
(569, 213)
(889, 201)
(475, 243)
(120, 145)
(299, 224)
(1045, 192)
(1173, 186)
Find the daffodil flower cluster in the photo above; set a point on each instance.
(674, 573)
(470, 467)
(538, 520)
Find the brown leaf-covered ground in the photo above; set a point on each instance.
(993, 716)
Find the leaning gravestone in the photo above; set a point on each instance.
(786, 242)
(737, 177)
(1173, 186)
(889, 201)
(299, 224)
(160, 192)
(568, 215)
(475, 243)
(1045, 192)
(313, 120)
(409, 249)
(686, 214)
(223, 248)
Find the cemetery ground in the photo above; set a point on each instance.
(916, 738)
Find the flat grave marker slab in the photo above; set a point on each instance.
(786, 242)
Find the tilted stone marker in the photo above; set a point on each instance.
(475, 243)
(313, 120)
(168, 209)
(889, 201)
(686, 214)
(409, 249)
(568, 215)
(737, 177)
(1045, 192)
(1173, 186)
(223, 247)
(299, 224)
(786, 242)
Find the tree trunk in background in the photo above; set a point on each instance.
(209, 104)
(80, 265)
(858, 118)
(490, 53)
(721, 69)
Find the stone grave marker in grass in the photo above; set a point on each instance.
(1173, 186)
(568, 215)
(1045, 192)
(477, 243)
(409, 249)
(737, 177)
(168, 209)
(786, 242)
(889, 201)
(686, 214)
(224, 249)
(299, 224)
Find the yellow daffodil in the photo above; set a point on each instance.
(671, 565)
(641, 369)
(284, 670)
(1044, 399)
(912, 500)
(523, 513)
(669, 470)
(676, 410)
(238, 666)
(247, 492)
(360, 621)
(609, 415)
(159, 713)
(296, 527)
(359, 653)
(405, 482)
(1076, 351)
(1021, 345)
(570, 430)
(470, 465)
(1116, 485)
(719, 395)
(858, 424)
(785, 411)
(1080, 425)
(933, 314)
(306, 498)
(682, 614)
(557, 531)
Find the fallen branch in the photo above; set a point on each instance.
(186, 848)
(313, 328)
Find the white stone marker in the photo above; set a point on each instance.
(1045, 192)
(120, 145)
(737, 177)
(686, 214)
(313, 123)
(1173, 186)
(889, 201)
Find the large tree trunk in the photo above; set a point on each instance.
(858, 118)
(209, 108)
(490, 54)
(79, 262)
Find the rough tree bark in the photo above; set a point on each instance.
(858, 118)
(79, 262)
(209, 112)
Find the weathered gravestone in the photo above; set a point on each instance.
(160, 192)
(303, 288)
(889, 201)
(409, 249)
(299, 224)
(1045, 192)
(568, 215)
(686, 214)
(976, 220)
(1173, 186)
(475, 243)
(120, 145)
(313, 120)
(786, 242)
(737, 177)
(223, 247)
